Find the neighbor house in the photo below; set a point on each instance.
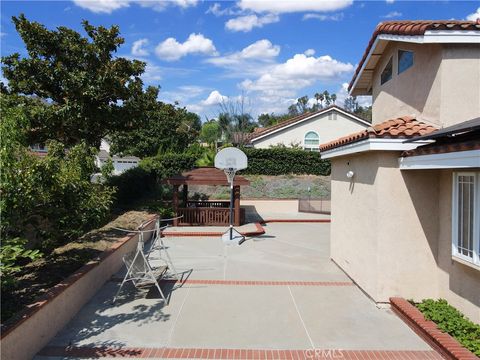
(120, 163)
(309, 130)
(406, 191)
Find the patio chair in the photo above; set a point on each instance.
(139, 271)
(158, 244)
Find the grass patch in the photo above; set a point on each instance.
(453, 322)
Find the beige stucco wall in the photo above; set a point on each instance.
(327, 129)
(391, 232)
(434, 88)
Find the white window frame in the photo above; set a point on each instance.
(475, 260)
(311, 147)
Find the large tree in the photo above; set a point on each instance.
(82, 91)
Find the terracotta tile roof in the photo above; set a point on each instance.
(401, 128)
(412, 28)
(263, 131)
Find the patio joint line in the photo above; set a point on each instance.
(170, 335)
(300, 316)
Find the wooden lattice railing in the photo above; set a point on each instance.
(212, 216)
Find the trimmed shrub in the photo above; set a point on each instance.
(453, 322)
(282, 161)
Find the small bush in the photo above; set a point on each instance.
(283, 161)
(165, 165)
(131, 185)
(453, 322)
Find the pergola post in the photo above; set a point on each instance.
(185, 195)
(236, 205)
(175, 204)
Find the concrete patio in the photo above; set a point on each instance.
(278, 291)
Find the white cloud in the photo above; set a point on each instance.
(474, 16)
(102, 6)
(309, 52)
(289, 6)
(216, 9)
(299, 72)
(108, 6)
(171, 49)
(138, 47)
(215, 98)
(261, 50)
(322, 17)
(152, 74)
(392, 14)
(342, 94)
(389, 1)
(248, 22)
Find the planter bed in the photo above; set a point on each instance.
(52, 290)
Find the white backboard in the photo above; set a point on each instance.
(231, 158)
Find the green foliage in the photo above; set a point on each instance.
(163, 128)
(281, 161)
(85, 91)
(207, 158)
(165, 165)
(453, 322)
(11, 252)
(210, 132)
(131, 185)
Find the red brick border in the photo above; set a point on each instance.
(261, 282)
(257, 354)
(448, 346)
(259, 231)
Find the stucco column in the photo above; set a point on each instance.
(175, 203)
(236, 205)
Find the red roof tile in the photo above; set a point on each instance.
(401, 128)
(263, 131)
(413, 28)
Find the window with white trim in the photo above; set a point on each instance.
(311, 141)
(466, 216)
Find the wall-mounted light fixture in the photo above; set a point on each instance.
(350, 174)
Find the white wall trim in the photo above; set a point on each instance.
(451, 160)
(430, 37)
(326, 111)
(372, 145)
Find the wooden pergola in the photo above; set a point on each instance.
(206, 212)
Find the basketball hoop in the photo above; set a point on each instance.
(230, 160)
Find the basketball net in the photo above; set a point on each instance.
(230, 173)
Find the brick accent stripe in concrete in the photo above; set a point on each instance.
(263, 282)
(428, 330)
(257, 354)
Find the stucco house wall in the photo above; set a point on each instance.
(433, 89)
(391, 232)
(328, 126)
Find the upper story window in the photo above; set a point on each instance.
(387, 72)
(311, 141)
(405, 60)
(466, 217)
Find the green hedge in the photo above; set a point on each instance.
(453, 322)
(137, 182)
(283, 161)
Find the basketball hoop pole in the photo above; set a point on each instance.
(231, 205)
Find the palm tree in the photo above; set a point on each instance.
(334, 98)
(317, 97)
(327, 98)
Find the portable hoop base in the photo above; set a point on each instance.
(232, 236)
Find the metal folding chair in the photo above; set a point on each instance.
(158, 244)
(139, 271)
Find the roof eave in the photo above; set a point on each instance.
(371, 144)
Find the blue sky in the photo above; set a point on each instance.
(205, 52)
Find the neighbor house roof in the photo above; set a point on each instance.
(413, 29)
(261, 132)
(405, 127)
